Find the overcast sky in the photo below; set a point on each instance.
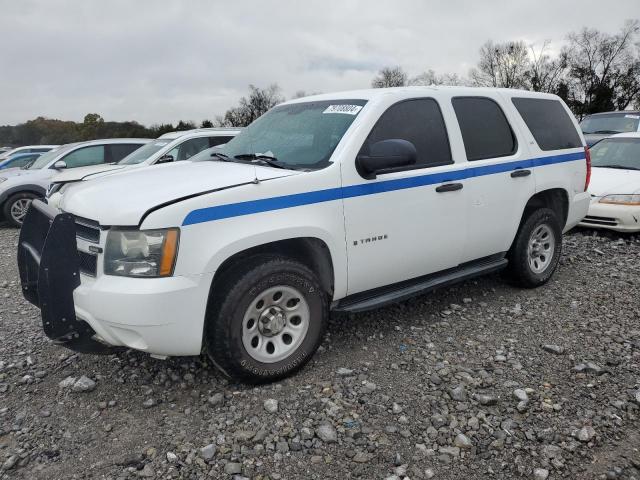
(161, 61)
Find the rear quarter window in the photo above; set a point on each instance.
(486, 132)
(548, 122)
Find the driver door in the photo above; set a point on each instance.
(404, 224)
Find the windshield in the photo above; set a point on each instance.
(618, 123)
(617, 153)
(299, 135)
(44, 159)
(141, 154)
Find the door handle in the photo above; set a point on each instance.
(520, 173)
(449, 187)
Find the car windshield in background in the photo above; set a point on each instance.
(610, 124)
(616, 153)
(144, 152)
(44, 159)
(299, 135)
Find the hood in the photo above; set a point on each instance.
(124, 197)
(593, 138)
(81, 173)
(607, 181)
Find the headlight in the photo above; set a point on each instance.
(146, 253)
(628, 199)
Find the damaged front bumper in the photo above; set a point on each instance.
(49, 273)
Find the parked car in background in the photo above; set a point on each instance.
(345, 202)
(170, 147)
(27, 149)
(18, 160)
(601, 125)
(615, 184)
(18, 187)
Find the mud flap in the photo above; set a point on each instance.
(49, 273)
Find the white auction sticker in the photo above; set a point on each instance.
(346, 109)
(632, 116)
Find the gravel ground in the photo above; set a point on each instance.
(477, 381)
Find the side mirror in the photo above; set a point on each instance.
(386, 155)
(165, 159)
(60, 165)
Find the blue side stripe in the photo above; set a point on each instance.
(371, 188)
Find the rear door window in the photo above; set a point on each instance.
(215, 141)
(118, 151)
(83, 157)
(420, 122)
(548, 122)
(485, 129)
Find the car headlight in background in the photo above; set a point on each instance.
(627, 199)
(141, 253)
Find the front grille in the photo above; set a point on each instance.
(600, 220)
(87, 230)
(88, 263)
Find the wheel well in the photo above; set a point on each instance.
(311, 252)
(556, 199)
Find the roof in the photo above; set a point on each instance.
(374, 93)
(182, 133)
(616, 112)
(626, 135)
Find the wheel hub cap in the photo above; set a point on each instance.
(275, 323)
(272, 321)
(541, 248)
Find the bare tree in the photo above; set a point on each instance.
(604, 69)
(260, 100)
(390, 77)
(502, 65)
(430, 77)
(545, 73)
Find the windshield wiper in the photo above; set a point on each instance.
(621, 167)
(607, 131)
(221, 156)
(268, 159)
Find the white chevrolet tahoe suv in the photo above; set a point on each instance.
(340, 202)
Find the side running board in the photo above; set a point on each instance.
(380, 297)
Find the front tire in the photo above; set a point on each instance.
(536, 250)
(265, 319)
(16, 206)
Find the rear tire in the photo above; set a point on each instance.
(535, 253)
(265, 319)
(16, 206)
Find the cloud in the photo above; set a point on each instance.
(163, 61)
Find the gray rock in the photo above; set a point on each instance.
(148, 403)
(462, 441)
(271, 405)
(208, 452)
(458, 394)
(555, 349)
(10, 462)
(361, 457)
(586, 433)
(589, 367)
(172, 457)
(429, 473)
(451, 451)
(520, 395)
(147, 471)
(540, 474)
(233, 468)
(67, 382)
(216, 399)
(282, 447)
(327, 433)
(83, 384)
(485, 399)
(344, 372)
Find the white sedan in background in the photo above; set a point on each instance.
(615, 184)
